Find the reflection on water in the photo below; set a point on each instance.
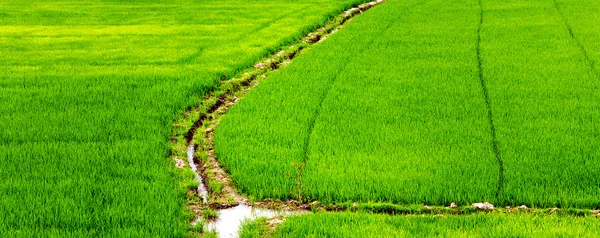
(229, 220)
(201, 189)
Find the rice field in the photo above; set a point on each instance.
(373, 225)
(415, 102)
(88, 93)
(546, 107)
(431, 102)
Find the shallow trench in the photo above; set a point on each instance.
(202, 191)
(230, 219)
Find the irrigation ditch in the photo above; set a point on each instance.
(211, 189)
(212, 196)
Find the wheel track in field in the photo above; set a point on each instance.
(584, 52)
(488, 105)
(201, 50)
(265, 25)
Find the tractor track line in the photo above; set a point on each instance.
(325, 94)
(488, 105)
(586, 57)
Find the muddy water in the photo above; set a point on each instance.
(201, 189)
(229, 220)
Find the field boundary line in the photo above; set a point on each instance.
(488, 105)
(586, 57)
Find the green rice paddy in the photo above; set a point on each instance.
(431, 102)
(545, 97)
(415, 102)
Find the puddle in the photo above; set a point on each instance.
(202, 191)
(229, 220)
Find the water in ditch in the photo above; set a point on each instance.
(229, 220)
(202, 191)
(227, 224)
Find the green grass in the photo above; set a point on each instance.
(88, 93)
(393, 109)
(370, 225)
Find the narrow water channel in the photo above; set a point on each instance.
(202, 191)
(228, 222)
